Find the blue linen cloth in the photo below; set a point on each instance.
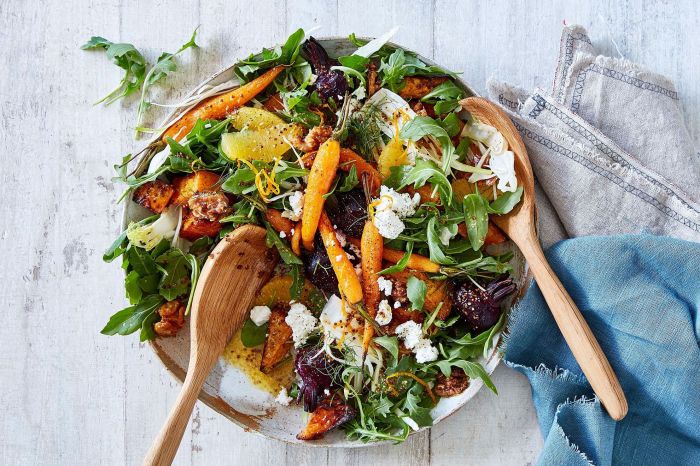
(640, 294)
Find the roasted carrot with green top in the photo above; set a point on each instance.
(319, 183)
(217, 107)
(371, 251)
(348, 283)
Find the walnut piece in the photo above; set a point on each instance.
(172, 318)
(209, 205)
(453, 385)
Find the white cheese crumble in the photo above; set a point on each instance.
(412, 335)
(383, 316)
(385, 285)
(445, 236)
(283, 234)
(302, 322)
(397, 304)
(283, 398)
(425, 351)
(260, 315)
(296, 206)
(392, 207)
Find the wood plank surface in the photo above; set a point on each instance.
(69, 395)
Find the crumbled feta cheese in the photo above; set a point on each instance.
(385, 285)
(388, 223)
(296, 206)
(358, 270)
(283, 398)
(392, 207)
(383, 316)
(412, 335)
(397, 304)
(445, 236)
(425, 351)
(260, 315)
(292, 231)
(402, 203)
(326, 392)
(332, 318)
(302, 322)
(283, 234)
(410, 332)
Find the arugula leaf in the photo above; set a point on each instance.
(506, 201)
(132, 318)
(252, 335)
(475, 370)
(176, 280)
(435, 245)
(445, 91)
(141, 261)
(451, 124)
(163, 67)
(272, 239)
(392, 70)
(287, 54)
(132, 287)
(389, 343)
(297, 282)
(401, 264)
(350, 181)
(477, 219)
(416, 290)
(354, 62)
(422, 126)
(426, 171)
(126, 57)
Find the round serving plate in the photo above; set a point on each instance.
(229, 391)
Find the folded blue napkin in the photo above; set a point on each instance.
(640, 294)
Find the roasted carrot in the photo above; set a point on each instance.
(296, 239)
(348, 283)
(319, 183)
(371, 250)
(415, 261)
(278, 222)
(219, 106)
(349, 159)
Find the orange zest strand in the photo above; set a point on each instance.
(264, 180)
(414, 377)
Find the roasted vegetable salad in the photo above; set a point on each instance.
(376, 188)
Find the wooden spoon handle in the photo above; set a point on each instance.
(165, 445)
(576, 332)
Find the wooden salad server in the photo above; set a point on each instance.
(231, 278)
(519, 225)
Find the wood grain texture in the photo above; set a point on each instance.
(72, 396)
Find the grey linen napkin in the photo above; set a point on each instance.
(609, 148)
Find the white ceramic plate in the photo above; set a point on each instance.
(228, 390)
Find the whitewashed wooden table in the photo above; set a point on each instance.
(69, 395)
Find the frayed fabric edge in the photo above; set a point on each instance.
(579, 400)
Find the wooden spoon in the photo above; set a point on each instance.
(519, 225)
(231, 277)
